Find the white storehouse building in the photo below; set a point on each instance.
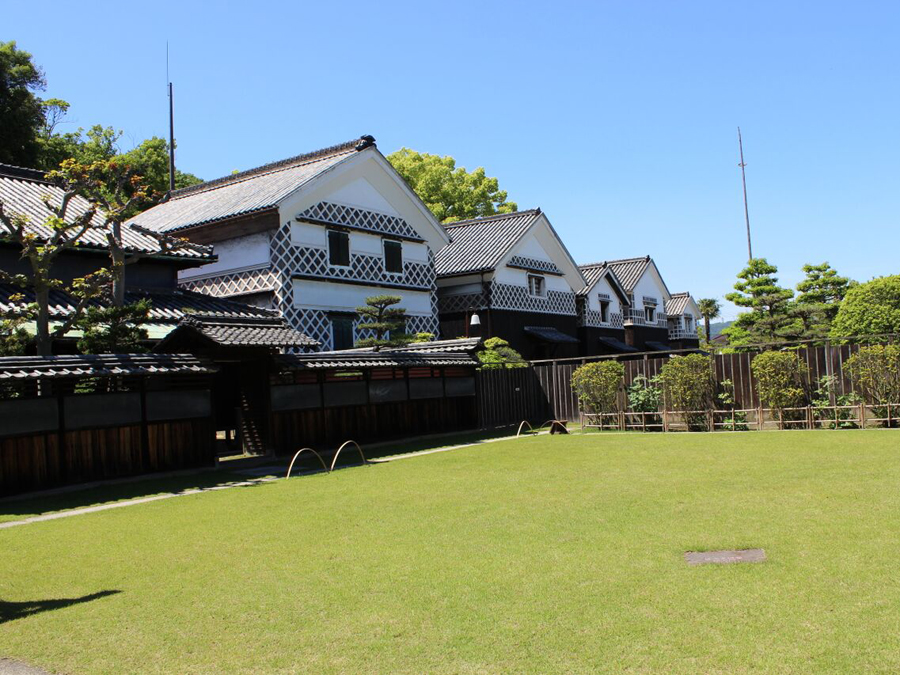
(312, 236)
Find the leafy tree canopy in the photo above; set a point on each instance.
(770, 317)
(380, 316)
(498, 354)
(451, 193)
(21, 110)
(822, 288)
(872, 308)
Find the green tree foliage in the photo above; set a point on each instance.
(498, 354)
(40, 252)
(451, 193)
(598, 384)
(387, 321)
(644, 394)
(151, 160)
(779, 379)
(114, 330)
(709, 310)
(770, 318)
(872, 308)
(822, 288)
(875, 370)
(21, 110)
(689, 385)
(14, 338)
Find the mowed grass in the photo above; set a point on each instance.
(542, 554)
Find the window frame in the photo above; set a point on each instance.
(344, 319)
(542, 285)
(650, 313)
(384, 249)
(342, 233)
(605, 306)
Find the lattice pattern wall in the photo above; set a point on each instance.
(353, 217)
(288, 260)
(234, 283)
(517, 298)
(534, 265)
(463, 302)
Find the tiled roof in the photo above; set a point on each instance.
(167, 306)
(629, 270)
(22, 190)
(593, 272)
(21, 368)
(677, 304)
(234, 331)
(246, 192)
(468, 345)
(478, 245)
(382, 359)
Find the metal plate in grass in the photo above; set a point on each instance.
(747, 555)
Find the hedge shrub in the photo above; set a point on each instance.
(689, 385)
(598, 385)
(779, 380)
(875, 370)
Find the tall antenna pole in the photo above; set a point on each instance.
(746, 210)
(171, 128)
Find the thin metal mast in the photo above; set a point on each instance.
(744, 180)
(171, 128)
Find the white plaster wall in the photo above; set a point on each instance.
(603, 286)
(367, 182)
(308, 235)
(529, 247)
(519, 277)
(347, 297)
(234, 254)
(648, 286)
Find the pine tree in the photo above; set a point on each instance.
(380, 315)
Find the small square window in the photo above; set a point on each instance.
(393, 256)
(604, 311)
(650, 314)
(536, 285)
(338, 248)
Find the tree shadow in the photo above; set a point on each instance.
(10, 611)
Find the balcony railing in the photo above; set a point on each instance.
(636, 317)
(679, 333)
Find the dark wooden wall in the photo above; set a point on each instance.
(54, 456)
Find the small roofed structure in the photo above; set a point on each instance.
(79, 418)
(325, 398)
(268, 331)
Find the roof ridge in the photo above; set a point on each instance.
(495, 216)
(626, 260)
(24, 172)
(357, 144)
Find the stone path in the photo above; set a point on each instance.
(12, 667)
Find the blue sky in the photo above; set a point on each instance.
(617, 118)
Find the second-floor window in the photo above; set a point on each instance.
(393, 256)
(688, 322)
(650, 314)
(604, 311)
(338, 248)
(536, 285)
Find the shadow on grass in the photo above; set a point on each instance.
(10, 611)
(25, 506)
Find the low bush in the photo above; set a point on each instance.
(875, 371)
(598, 385)
(779, 381)
(689, 386)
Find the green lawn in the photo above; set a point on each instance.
(538, 554)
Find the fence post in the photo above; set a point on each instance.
(862, 415)
(809, 417)
(665, 420)
(759, 417)
(712, 420)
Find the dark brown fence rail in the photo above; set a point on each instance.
(507, 396)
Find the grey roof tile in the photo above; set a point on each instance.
(246, 192)
(232, 331)
(677, 304)
(627, 270)
(22, 192)
(21, 368)
(478, 245)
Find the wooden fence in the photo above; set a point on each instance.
(509, 396)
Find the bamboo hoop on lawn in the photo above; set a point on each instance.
(297, 454)
(524, 422)
(552, 424)
(346, 443)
